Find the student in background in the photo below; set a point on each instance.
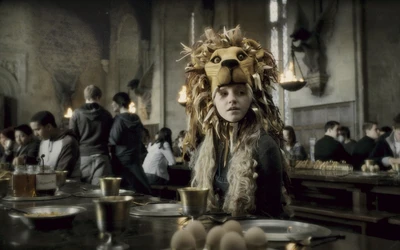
(158, 158)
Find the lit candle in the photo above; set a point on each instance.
(132, 108)
(182, 95)
(69, 113)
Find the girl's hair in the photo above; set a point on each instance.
(292, 135)
(164, 135)
(122, 99)
(9, 133)
(24, 128)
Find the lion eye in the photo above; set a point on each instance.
(216, 59)
(241, 57)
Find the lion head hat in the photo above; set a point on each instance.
(220, 59)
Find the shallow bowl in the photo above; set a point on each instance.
(292, 86)
(42, 218)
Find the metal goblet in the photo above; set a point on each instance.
(112, 216)
(110, 186)
(194, 201)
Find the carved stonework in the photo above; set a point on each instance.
(15, 64)
(317, 83)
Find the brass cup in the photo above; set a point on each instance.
(369, 163)
(61, 177)
(112, 213)
(396, 167)
(4, 183)
(110, 186)
(194, 201)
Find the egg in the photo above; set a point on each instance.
(232, 241)
(183, 240)
(233, 226)
(199, 233)
(376, 168)
(364, 168)
(214, 237)
(255, 239)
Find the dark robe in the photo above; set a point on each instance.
(329, 149)
(30, 151)
(268, 196)
(129, 152)
(362, 150)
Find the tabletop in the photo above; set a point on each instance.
(143, 233)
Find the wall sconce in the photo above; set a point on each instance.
(132, 107)
(182, 99)
(288, 79)
(68, 114)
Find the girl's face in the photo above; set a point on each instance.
(286, 136)
(115, 107)
(21, 138)
(232, 102)
(3, 140)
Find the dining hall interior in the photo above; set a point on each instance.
(334, 74)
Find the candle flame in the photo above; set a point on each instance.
(288, 75)
(182, 95)
(132, 108)
(69, 113)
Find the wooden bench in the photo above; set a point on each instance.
(339, 215)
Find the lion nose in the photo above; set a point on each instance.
(230, 64)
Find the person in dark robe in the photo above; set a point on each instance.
(127, 149)
(28, 147)
(328, 148)
(365, 145)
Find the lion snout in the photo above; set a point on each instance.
(231, 64)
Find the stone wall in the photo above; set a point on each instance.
(382, 66)
(47, 44)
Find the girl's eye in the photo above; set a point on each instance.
(216, 59)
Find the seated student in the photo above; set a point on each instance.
(365, 145)
(60, 148)
(387, 151)
(28, 147)
(7, 141)
(293, 149)
(328, 148)
(158, 158)
(344, 138)
(177, 146)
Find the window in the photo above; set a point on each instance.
(279, 48)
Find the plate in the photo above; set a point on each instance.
(96, 193)
(64, 215)
(58, 195)
(283, 230)
(158, 210)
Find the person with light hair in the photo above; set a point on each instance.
(235, 131)
(92, 123)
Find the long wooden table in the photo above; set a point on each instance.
(367, 192)
(144, 232)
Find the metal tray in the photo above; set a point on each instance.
(58, 195)
(283, 230)
(63, 219)
(96, 193)
(158, 210)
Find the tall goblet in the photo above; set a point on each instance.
(112, 216)
(194, 201)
